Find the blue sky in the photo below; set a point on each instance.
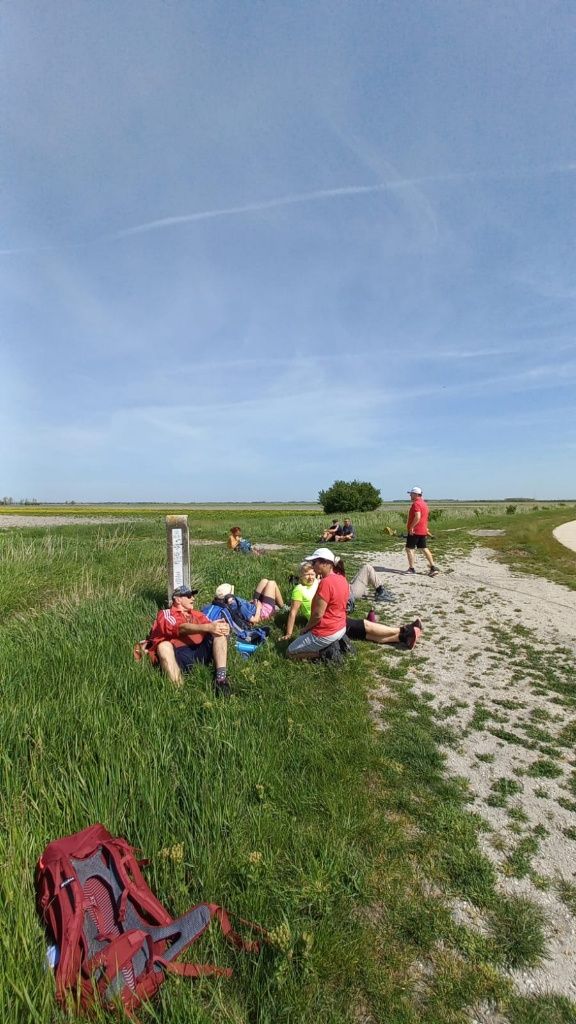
(251, 247)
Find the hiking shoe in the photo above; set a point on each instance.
(413, 571)
(345, 646)
(380, 594)
(222, 688)
(412, 635)
(433, 571)
(332, 653)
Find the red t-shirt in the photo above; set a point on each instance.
(335, 590)
(168, 622)
(421, 529)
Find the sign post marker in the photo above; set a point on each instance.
(178, 544)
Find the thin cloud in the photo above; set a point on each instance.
(297, 198)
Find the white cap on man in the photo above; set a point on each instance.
(322, 554)
(415, 490)
(224, 590)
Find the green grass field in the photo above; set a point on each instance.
(283, 803)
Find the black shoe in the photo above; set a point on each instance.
(332, 654)
(345, 646)
(222, 688)
(433, 571)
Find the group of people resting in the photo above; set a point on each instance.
(339, 533)
(181, 636)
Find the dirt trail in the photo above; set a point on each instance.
(498, 656)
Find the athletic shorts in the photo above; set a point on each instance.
(355, 629)
(199, 654)
(267, 607)
(416, 540)
(309, 643)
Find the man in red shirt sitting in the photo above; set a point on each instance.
(327, 622)
(182, 637)
(417, 531)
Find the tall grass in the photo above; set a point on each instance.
(282, 803)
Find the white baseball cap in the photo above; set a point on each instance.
(224, 590)
(323, 554)
(415, 490)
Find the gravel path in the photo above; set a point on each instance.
(566, 534)
(498, 659)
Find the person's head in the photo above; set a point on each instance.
(322, 561)
(415, 492)
(347, 522)
(339, 566)
(307, 575)
(235, 531)
(224, 594)
(183, 597)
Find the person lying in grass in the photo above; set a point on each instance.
(377, 632)
(356, 629)
(266, 602)
(182, 637)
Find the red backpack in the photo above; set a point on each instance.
(116, 941)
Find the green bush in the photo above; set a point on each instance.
(353, 496)
(510, 509)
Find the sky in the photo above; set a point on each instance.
(251, 247)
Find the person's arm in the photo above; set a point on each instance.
(415, 520)
(294, 608)
(319, 606)
(218, 628)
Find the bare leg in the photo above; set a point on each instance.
(429, 556)
(168, 663)
(410, 557)
(219, 651)
(378, 633)
(269, 588)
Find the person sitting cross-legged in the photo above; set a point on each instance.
(182, 637)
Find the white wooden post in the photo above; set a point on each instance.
(178, 543)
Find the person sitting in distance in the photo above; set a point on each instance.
(345, 532)
(331, 531)
(236, 542)
(182, 637)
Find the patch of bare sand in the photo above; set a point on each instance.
(498, 656)
(26, 521)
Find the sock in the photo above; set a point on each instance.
(220, 675)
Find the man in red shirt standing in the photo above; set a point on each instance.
(417, 531)
(182, 637)
(327, 622)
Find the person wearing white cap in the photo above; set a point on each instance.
(327, 622)
(417, 531)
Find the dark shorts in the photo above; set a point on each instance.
(355, 629)
(414, 540)
(199, 654)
